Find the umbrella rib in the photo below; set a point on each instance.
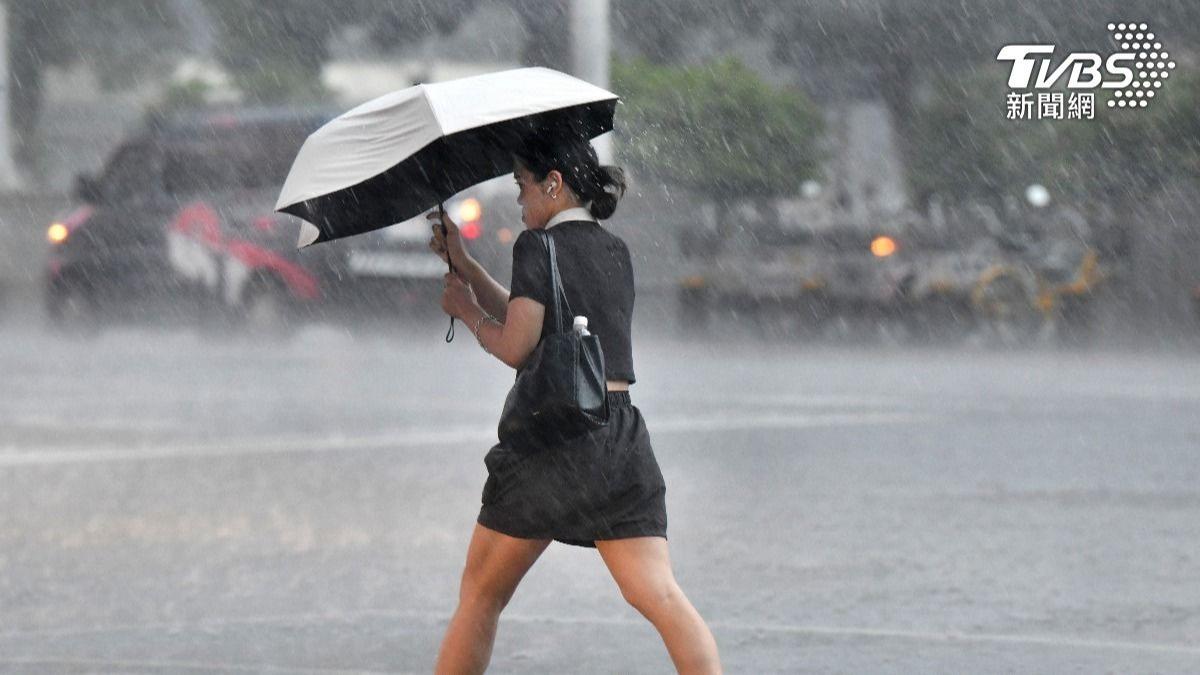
(432, 110)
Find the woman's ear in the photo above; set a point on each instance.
(554, 181)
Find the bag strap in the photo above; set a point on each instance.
(556, 288)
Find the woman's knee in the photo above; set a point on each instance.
(652, 597)
(483, 599)
(642, 569)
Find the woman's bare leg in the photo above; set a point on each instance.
(641, 566)
(495, 565)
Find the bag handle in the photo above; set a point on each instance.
(556, 287)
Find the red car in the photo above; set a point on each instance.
(179, 226)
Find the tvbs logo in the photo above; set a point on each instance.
(1085, 68)
(1133, 73)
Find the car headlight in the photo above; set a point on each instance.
(57, 233)
(883, 246)
(469, 213)
(470, 209)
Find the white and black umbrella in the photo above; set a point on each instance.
(397, 156)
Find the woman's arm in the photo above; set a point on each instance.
(513, 340)
(492, 297)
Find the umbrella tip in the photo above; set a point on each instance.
(308, 234)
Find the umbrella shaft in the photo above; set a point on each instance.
(445, 235)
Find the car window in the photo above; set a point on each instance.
(132, 174)
(193, 169)
(231, 159)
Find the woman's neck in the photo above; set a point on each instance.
(562, 215)
(565, 205)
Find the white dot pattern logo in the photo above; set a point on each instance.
(1151, 67)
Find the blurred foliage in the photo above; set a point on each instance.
(661, 30)
(1125, 155)
(716, 129)
(959, 143)
(125, 41)
(955, 141)
(274, 49)
(966, 148)
(183, 96)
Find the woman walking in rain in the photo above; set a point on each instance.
(601, 489)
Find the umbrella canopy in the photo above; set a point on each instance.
(394, 157)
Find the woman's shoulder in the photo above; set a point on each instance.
(529, 240)
(575, 233)
(612, 238)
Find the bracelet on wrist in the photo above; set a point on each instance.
(479, 322)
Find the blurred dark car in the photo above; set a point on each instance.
(179, 226)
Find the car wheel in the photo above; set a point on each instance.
(938, 320)
(693, 309)
(1007, 313)
(266, 313)
(1075, 322)
(72, 312)
(812, 312)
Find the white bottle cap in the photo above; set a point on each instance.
(580, 322)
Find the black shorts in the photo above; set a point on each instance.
(605, 484)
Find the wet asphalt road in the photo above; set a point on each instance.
(170, 503)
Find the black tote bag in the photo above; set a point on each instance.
(560, 390)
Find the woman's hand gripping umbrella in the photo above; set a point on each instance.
(448, 244)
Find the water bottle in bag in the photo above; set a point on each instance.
(580, 325)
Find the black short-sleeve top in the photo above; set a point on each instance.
(597, 277)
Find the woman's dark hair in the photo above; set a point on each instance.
(598, 187)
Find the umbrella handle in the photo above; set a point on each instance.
(442, 224)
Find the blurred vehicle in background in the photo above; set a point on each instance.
(801, 277)
(1008, 288)
(178, 227)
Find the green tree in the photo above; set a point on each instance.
(1125, 155)
(966, 148)
(901, 44)
(893, 48)
(717, 130)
